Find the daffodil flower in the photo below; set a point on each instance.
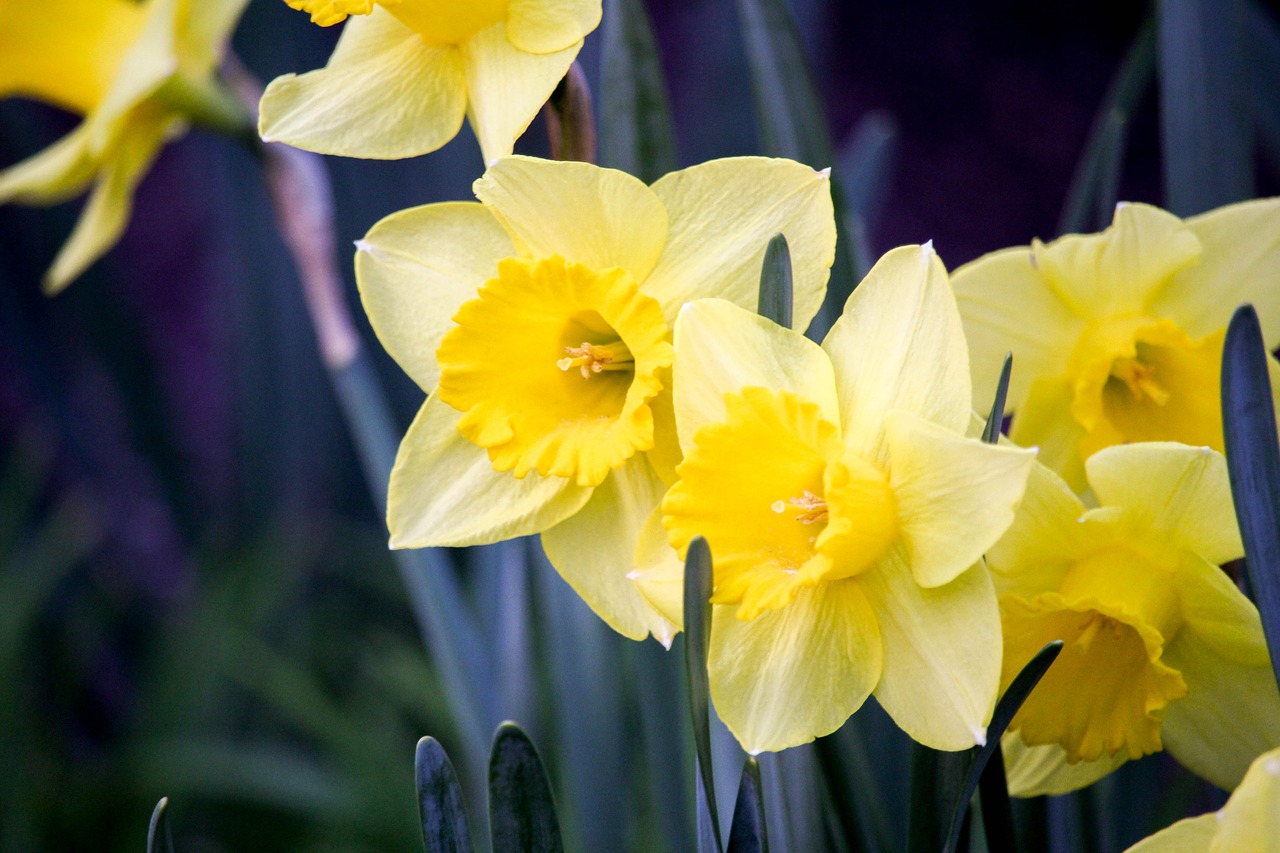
(846, 511)
(1117, 337)
(550, 405)
(1248, 823)
(1162, 650)
(406, 72)
(137, 72)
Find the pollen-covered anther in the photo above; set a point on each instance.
(1141, 380)
(813, 508)
(590, 358)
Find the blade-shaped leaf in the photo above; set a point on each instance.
(748, 833)
(1253, 463)
(863, 172)
(697, 634)
(636, 133)
(991, 432)
(522, 812)
(159, 839)
(937, 778)
(1006, 708)
(775, 300)
(440, 807)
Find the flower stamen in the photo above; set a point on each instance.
(1140, 378)
(814, 508)
(591, 358)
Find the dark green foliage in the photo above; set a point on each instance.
(440, 805)
(697, 632)
(635, 133)
(748, 834)
(522, 812)
(776, 299)
(159, 838)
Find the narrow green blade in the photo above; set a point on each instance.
(697, 635)
(775, 300)
(1253, 463)
(748, 833)
(159, 839)
(937, 780)
(440, 807)
(522, 812)
(636, 132)
(991, 432)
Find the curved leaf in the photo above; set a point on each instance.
(522, 812)
(775, 283)
(440, 807)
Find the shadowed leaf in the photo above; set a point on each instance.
(522, 812)
(159, 839)
(775, 283)
(635, 133)
(991, 432)
(440, 807)
(697, 634)
(748, 833)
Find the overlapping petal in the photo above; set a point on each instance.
(1035, 771)
(546, 26)
(1044, 538)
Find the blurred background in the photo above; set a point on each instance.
(196, 598)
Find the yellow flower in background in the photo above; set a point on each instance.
(137, 72)
(1248, 823)
(538, 321)
(846, 512)
(406, 72)
(1162, 650)
(1117, 337)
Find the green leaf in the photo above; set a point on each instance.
(159, 839)
(440, 807)
(848, 770)
(697, 634)
(775, 300)
(937, 779)
(862, 175)
(636, 132)
(991, 432)
(1253, 463)
(1205, 129)
(522, 812)
(748, 833)
(1006, 708)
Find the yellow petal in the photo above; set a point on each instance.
(1218, 613)
(1034, 771)
(594, 550)
(203, 35)
(723, 214)
(1241, 263)
(723, 348)
(1120, 270)
(956, 495)
(941, 652)
(545, 26)
(598, 217)
(55, 174)
(794, 674)
(384, 94)
(1006, 305)
(899, 345)
(1230, 714)
(1038, 549)
(1251, 818)
(506, 87)
(444, 491)
(659, 573)
(416, 267)
(1190, 835)
(1044, 422)
(1182, 493)
(151, 60)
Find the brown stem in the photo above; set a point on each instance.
(570, 122)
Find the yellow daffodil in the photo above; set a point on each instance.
(1248, 823)
(1117, 337)
(137, 72)
(406, 72)
(846, 511)
(549, 407)
(1162, 650)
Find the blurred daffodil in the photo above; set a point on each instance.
(1162, 650)
(549, 407)
(1117, 337)
(1248, 823)
(137, 72)
(846, 511)
(406, 72)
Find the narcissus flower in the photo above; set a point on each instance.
(1248, 823)
(1162, 650)
(406, 72)
(137, 72)
(846, 511)
(1117, 337)
(549, 409)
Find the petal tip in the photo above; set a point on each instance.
(979, 736)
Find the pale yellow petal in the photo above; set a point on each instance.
(1034, 771)
(941, 652)
(415, 267)
(721, 348)
(150, 61)
(545, 26)
(1218, 613)
(723, 214)
(444, 490)
(1120, 270)
(1190, 835)
(1241, 263)
(659, 573)
(1251, 818)
(207, 26)
(1038, 549)
(1007, 306)
(797, 673)
(598, 217)
(385, 94)
(507, 86)
(55, 174)
(1180, 492)
(956, 495)
(1230, 715)
(1043, 420)
(594, 550)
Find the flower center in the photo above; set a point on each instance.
(1140, 379)
(812, 508)
(448, 22)
(509, 367)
